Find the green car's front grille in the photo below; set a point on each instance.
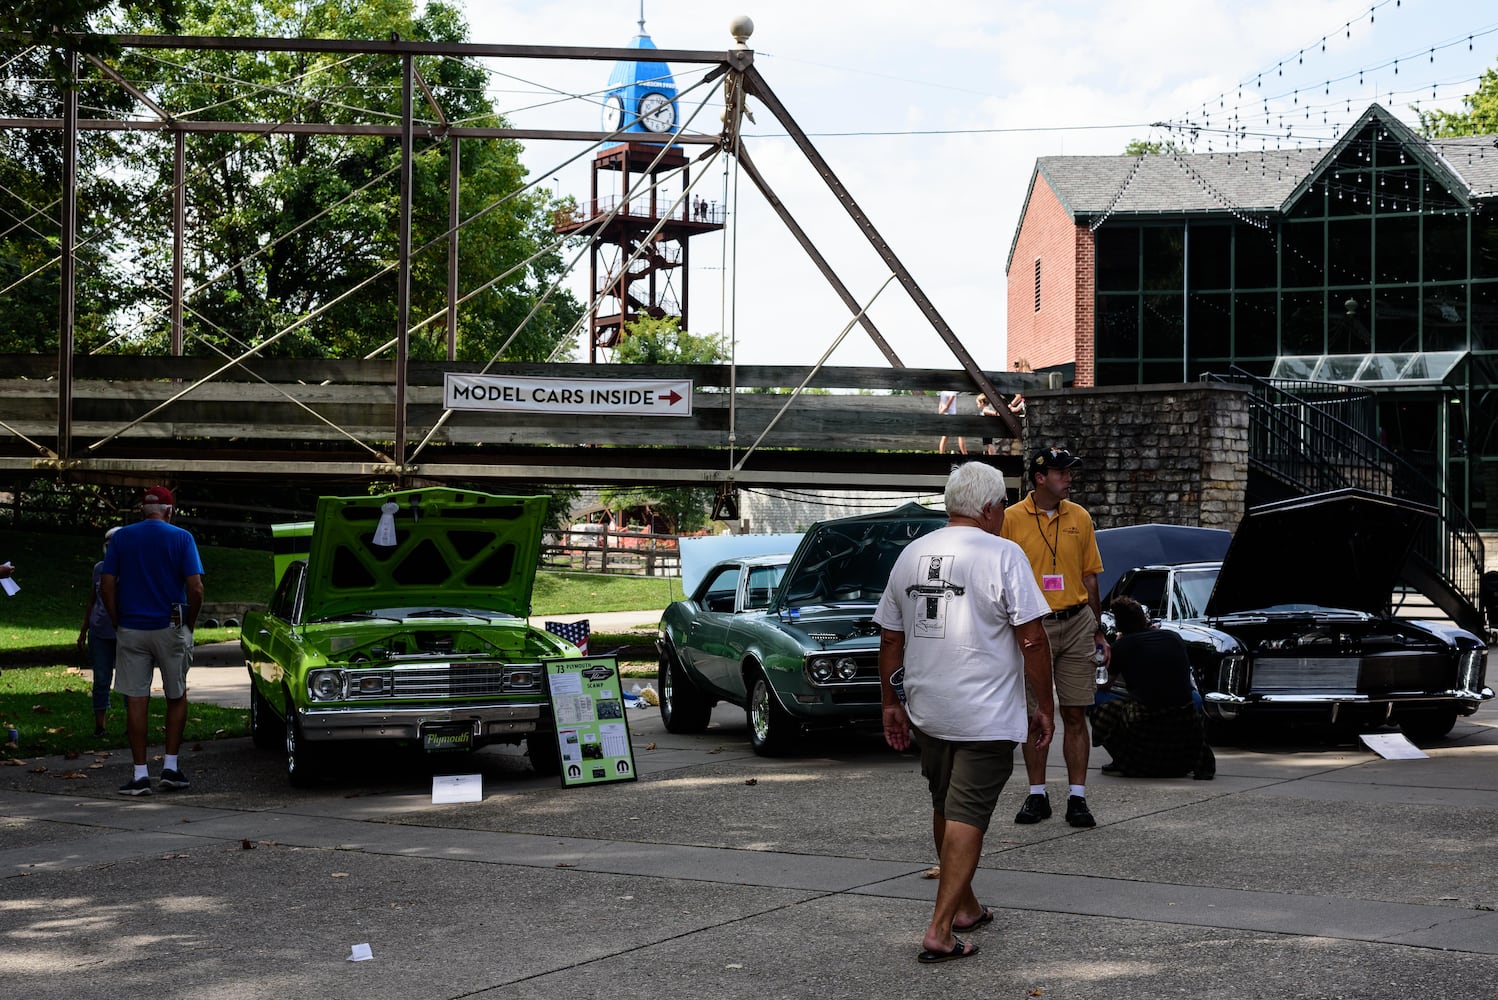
(458, 680)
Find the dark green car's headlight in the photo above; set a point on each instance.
(827, 669)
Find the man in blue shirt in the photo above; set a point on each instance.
(151, 583)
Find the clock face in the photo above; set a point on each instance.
(656, 112)
(613, 113)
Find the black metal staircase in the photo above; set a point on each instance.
(1311, 437)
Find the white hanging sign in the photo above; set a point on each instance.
(639, 397)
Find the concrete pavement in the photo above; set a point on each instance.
(1304, 870)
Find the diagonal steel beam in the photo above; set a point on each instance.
(759, 88)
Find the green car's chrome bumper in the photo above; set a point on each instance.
(489, 722)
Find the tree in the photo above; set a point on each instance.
(284, 226)
(1480, 118)
(47, 21)
(649, 341)
(1150, 147)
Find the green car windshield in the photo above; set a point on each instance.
(849, 560)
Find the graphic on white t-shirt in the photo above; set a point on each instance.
(933, 593)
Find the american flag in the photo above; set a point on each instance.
(574, 632)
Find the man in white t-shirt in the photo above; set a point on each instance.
(961, 615)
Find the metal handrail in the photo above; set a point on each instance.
(1308, 447)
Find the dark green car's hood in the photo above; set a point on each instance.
(847, 560)
(452, 548)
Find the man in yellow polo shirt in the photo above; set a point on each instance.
(1058, 539)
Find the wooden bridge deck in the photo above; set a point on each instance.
(337, 420)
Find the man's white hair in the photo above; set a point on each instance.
(156, 508)
(971, 486)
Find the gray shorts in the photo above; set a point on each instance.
(965, 776)
(138, 651)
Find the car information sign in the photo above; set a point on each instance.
(643, 397)
(587, 702)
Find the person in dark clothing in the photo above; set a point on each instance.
(1156, 730)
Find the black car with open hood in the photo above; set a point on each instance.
(1296, 619)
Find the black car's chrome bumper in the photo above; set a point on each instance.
(1331, 698)
(1228, 706)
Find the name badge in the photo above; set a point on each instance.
(1052, 581)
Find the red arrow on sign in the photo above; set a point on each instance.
(672, 398)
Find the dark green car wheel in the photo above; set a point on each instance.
(684, 709)
(772, 731)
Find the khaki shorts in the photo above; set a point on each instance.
(1073, 671)
(139, 651)
(965, 776)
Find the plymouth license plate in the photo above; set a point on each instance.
(441, 738)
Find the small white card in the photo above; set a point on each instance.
(457, 788)
(10, 586)
(360, 953)
(1393, 746)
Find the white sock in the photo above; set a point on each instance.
(1037, 789)
(141, 772)
(1080, 791)
(169, 762)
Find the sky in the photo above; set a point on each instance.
(933, 114)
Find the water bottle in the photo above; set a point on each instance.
(1102, 665)
(897, 681)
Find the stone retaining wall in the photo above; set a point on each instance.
(1175, 454)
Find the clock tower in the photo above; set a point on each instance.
(633, 273)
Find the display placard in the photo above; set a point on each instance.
(587, 702)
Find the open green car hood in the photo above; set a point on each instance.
(452, 548)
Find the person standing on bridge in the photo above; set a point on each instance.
(152, 586)
(946, 405)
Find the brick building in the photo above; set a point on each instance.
(1372, 263)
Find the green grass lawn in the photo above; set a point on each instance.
(44, 690)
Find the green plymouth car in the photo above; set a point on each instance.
(793, 642)
(402, 617)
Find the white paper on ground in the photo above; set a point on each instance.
(1393, 746)
(457, 788)
(360, 953)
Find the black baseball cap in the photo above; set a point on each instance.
(1047, 459)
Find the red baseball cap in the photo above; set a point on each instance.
(160, 495)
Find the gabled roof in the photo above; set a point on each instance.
(1260, 182)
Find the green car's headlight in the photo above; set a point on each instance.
(822, 668)
(326, 685)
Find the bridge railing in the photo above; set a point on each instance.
(345, 413)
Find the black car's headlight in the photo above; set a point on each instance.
(1232, 674)
(326, 685)
(1471, 669)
